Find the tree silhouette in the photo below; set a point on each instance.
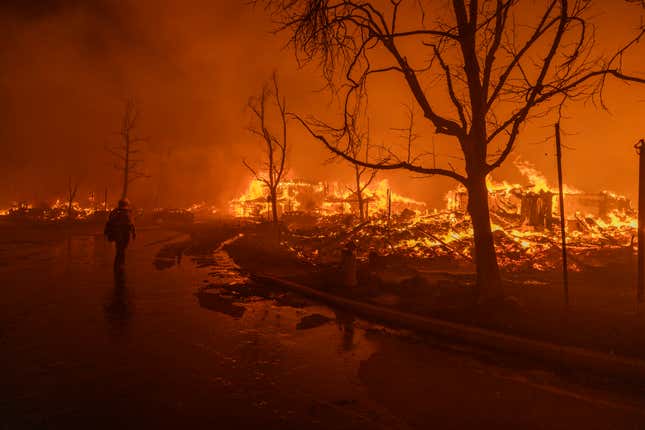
(275, 144)
(359, 145)
(477, 70)
(363, 176)
(72, 189)
(127, 152)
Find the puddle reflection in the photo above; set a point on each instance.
(117, 308)
(345, 322)
(215, 302)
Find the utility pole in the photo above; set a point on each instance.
(565, 269)
(640, 287)
(389, 207)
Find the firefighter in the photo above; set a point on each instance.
(119, 229)
(348, 265)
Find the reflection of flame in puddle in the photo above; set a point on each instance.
(224, 269)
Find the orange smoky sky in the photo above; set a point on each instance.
(67, 66)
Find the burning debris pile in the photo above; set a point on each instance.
(600, 227)
(59, 212)
(321, 199)
(54, 212)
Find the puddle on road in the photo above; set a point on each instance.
(225, 270)
(255, 339)
(291, 320)
(231, 291)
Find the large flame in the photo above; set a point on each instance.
(323, 199)
(595, 223)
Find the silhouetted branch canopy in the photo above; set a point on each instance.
(477, 70)
(274, 137)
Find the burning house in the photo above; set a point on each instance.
(321, 199)
(535, 205)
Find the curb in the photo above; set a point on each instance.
(572, 358)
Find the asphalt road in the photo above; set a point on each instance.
(81, 347)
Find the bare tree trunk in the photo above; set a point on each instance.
(126, 169)
(359, 193)
(128, 163)
(275, 146)
(489, 281)
(274, 205)
(71, 195)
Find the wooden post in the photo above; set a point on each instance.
(565, 269)
(389, 206)
(269, 208)
(640, 287)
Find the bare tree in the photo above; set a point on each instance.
(363, 177)
(72, 189)
(477, 70)
(359, 148)
(127, 151)
(275, 143)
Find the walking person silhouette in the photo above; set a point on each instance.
(119, 228)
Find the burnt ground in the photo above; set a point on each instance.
(603, 313)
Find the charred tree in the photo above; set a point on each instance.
(363, 176)
(72, 189)
(491, 65)
(275, 143)
(127, 153)
(360, 186)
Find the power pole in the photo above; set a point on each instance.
(565, 269)
(640, 287)
(389, 207)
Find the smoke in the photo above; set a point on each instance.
(68, 65)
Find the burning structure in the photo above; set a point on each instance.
(321, 199)
(53, 212)
(534, 205)
(598, 224)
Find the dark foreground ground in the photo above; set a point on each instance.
(83, 348)
(603, 313)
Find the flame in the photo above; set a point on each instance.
(57, 211)
(519, 244)
(201, 208)
(324, 199)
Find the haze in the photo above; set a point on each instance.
(67, 66)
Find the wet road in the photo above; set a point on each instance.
(81, 347)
